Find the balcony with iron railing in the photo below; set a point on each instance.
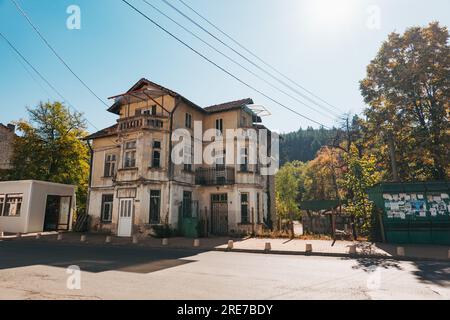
(213, 176)
(143, 121)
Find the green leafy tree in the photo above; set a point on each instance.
(49, 147)
(407, 88)
(321, 176)
(361, 173)
(287, 189)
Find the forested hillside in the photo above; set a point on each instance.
(303, 144)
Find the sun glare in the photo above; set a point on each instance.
(330, 13)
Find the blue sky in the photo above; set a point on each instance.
(325, 45)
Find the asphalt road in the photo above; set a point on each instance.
(37, 270)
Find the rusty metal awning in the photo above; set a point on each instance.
(143, 94)
(259, 110)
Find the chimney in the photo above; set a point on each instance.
(11, 127)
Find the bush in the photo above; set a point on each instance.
(201, 228)
(163, 231)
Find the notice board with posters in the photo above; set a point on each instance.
(415, 212)
(416, 205)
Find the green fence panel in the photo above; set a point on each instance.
(441, 233)
(422, 236)
(397, 236)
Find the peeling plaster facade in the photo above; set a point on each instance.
(148, 114)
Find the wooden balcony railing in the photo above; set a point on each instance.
(141, 122)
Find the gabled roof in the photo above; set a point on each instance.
(143, 82)
(227, 106)
(112, 130)
(9, 127)
(262, 127)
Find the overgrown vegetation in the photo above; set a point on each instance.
(163, 231)
(405, 135)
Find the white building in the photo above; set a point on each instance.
(35, 206)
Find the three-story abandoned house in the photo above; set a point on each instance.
(135, 184)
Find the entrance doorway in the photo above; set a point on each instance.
(219, 214)
(57, 213)
(125, 218)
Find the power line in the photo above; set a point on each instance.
(218, 66)
(247, 59)
(235, 62)
(32, 67)
(54, 51)
(41, 76)
(260, 59)
(31, 75)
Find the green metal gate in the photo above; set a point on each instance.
(188, 219)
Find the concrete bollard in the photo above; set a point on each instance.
(196, 242)
(352, 249)
(2, 234)
(108, 239)
(230, 245)
(308, 248)
(83, 238)
(401, 251)
(165, 241)
(38, 235)
(267, 247)
(60, 236)
(135, 239)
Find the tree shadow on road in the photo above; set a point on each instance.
(371, 264)
(433, 272)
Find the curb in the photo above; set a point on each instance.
(330, 254)
(255, 251)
